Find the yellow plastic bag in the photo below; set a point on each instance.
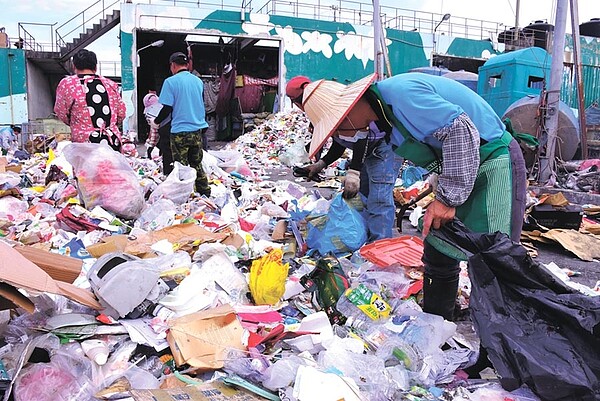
(267, 278)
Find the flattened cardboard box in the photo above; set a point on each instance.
(178, 234)
(202, 339)
(215, 391)
(18, 272)
(59, 267)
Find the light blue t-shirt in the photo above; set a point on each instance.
(184, 92)
(426, 103)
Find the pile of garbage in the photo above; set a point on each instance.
(119, 283)
(581, 175)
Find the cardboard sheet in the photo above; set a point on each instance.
(113, 243)
(180, 234)
(11, 298)
(584, 246)
(19, 272)
(557, 199)
(59, 267)
(215, 391)
(203, 339)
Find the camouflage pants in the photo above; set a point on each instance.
(187, 150)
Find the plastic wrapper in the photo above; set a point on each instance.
(232, 161)
(263, 229)
(272, 210)
(9, 180)
(11, 207)
(368, 371)
(249, 368)
(391, 283)
(105, 179)
(178, 186)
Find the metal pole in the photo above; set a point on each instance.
(378, 53)
(516, 33)
(11, 55)
(548, 163)
(579, 77)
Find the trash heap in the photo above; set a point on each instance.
(119, 283)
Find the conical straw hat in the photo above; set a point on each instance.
(327, 103)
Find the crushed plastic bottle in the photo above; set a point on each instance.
(362, 307)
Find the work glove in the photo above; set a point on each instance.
(351, 184)
(315, 168)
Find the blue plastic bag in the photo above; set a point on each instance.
(342, 229)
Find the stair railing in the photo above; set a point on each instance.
(82, 19)
(28, 42)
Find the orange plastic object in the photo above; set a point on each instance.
(405, 250)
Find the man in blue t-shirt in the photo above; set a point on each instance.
(182, 98)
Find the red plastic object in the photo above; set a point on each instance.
(405, 250)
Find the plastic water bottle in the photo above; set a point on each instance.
(362, 307)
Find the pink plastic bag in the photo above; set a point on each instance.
(64, 378)
(105, 179)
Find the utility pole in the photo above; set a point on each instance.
(548, 162)
(516, 34)
(579, 77)
(377, 38)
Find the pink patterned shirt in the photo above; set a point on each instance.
(71, 106)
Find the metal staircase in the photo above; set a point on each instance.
(91, 23)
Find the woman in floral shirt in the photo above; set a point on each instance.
(90, 104)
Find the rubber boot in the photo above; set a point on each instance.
(439, 296)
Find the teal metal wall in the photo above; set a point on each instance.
(406, 50)
(337, 50)
(13, 86)
(12, 65)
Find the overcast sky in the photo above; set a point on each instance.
(107, 47)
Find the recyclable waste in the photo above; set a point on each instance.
(118, 282)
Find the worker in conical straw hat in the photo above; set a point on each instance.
(374, 167)
(439, 124)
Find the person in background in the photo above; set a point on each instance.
(442, 125)
(182, 98)
(90, 104)
(8, 138)
(158, 135)
(372, 171)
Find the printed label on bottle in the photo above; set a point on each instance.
(368, 302)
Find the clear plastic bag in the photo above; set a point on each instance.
(105, 179)
(178, 186)
(295, 154)
(282, 373)
(67, 377)
(158, 215)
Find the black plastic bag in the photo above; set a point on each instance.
(536, 330)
